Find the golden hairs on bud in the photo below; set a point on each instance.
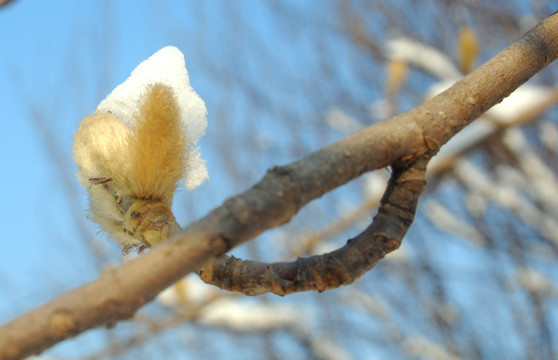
(132, 173)
(133, 151)
(158, 146)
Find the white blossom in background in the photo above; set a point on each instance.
(323, 247)
(525, 103)
(457, 145)
(189, 289)
(231, 312)
(422, 56)
(522, 105)
(237, 314)
(234, 313)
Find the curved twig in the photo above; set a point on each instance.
(337, 268)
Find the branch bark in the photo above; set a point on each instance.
(340, 267)
(118, 293)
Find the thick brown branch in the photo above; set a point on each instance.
(340, 267)
(119, 293)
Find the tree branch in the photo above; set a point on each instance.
(117, 294)
(337, 268)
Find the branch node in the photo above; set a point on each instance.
(387, 242)
(61, 324)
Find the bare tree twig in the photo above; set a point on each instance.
(117, 294)
(340, 267)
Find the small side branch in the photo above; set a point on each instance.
(337, 268)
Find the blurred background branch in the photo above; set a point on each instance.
(5, 2)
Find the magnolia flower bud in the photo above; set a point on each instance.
(133, 151)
